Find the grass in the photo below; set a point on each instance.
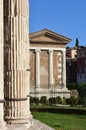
(62, 121)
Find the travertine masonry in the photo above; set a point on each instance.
(2, 123)
(44, 69)
(16, 61)
(55, 69)
(32, 68)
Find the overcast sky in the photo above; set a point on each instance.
(65, 17)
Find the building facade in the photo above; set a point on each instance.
(71, 65)
(48, 64)
(81, 65)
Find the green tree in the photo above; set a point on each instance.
(77, 42)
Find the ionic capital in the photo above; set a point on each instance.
(50, 51)
(38, 50)
(63, 51)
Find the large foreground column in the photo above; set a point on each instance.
(2, 123)
(16, 61)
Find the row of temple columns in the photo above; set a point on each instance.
(51, 75)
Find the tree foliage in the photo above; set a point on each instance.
(77, 42)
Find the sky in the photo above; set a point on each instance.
(65, 17)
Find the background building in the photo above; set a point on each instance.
(71, 65)
(48, 64)
(81, 65)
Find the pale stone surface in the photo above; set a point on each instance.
(2, 123)
(51, 82)
(64, 69)
(16, 64)
(37, 125)
(37, 69)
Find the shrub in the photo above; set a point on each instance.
(81, 87)
(83, 100)
(59, 100)
(72, 101)
(64, 100)
(68, 101)
(43, 100)
(52, 100)
(82, 90)
(34, 100)
(72, 86)
(31, 100)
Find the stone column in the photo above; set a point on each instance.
(51, 83)
(64, 70)
(37, 68)
(2, 123)
(16, 61)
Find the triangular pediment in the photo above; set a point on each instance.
(43, 38)
(48, 37)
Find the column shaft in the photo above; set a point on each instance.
(37, 68)
(64, 70)
(16, 61)
(51, 69)
(2, 123)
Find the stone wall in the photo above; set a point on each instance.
(44, 69)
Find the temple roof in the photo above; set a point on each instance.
(46, 35)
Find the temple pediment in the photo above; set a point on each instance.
(48, 37)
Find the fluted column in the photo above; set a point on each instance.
(51, 69)
(64, 70)
(16, 61)
(37, 68)
(2, 123)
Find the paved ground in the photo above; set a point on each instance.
(37, 125)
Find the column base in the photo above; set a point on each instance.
(39, 92)
(3, 125)
(19, 120)
(62, 93)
